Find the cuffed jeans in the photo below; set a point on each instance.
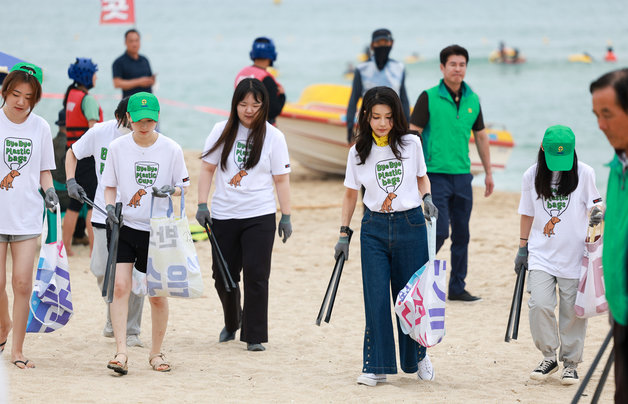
(394, 247)
(543, 327)
(453, 196)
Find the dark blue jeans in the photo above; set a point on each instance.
(453, 196)
(394, 246)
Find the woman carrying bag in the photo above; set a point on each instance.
(389, 163)
(247, 156)
(557, 194)
(28, 159)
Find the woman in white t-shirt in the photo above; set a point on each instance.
(557, 194)
(28, 158)
(252, 158)
(389, 163)
(137, 162)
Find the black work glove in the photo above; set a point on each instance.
(285, 227)
(202, 215)
(521, 260)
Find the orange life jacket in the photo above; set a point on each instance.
(75, 122)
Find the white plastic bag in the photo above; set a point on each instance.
(421, 304)
(590, 299)
(139, 286)
(172, 269)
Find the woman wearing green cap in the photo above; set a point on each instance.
(557, 194)
(138, 163)
(28, 159)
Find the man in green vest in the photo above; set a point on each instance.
(610, 106)
(445, 115)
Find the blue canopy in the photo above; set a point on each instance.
(6, 63)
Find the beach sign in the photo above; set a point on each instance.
(117, 12)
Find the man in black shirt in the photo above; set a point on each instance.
(131, 71)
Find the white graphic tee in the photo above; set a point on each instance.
(26, 152)
(95, 142)
(556, 241)
(134, 170)
(391, 184)
(240, 193)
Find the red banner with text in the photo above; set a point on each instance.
(117, 12)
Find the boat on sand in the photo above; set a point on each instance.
(315, 129)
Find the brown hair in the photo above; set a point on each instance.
(257, 134)
(19, 76)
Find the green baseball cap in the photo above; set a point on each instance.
(559, 144)
(143, 105)
(30, 69)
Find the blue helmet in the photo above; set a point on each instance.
(82, 71)
(263, 48)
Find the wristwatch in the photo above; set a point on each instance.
(345, 229)
(426, 194)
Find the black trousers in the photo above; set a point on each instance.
(620, 341)
(247, 246)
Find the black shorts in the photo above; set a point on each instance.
(85, 175)
(132, 246)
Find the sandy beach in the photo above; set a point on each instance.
(303, 362)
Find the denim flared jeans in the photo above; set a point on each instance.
(394, 246)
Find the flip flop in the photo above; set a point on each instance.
(25, 363)
(2, 346)
(118, 366)
(156, 367)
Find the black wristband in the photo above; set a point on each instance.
(345, 229)
(424, 195)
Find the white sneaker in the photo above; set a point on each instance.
(134, 340)
(371, 379)
(426, 370)
(107, 331)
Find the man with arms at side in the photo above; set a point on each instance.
(131, 71)
(379, 70)
(445, 115)
(610, 106)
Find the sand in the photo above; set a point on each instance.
(303, 362)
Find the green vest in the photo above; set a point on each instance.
(446, 135)
(615, 256)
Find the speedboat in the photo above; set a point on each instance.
(316, 132)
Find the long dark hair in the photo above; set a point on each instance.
(120, 113)
(567, 180)
(364, 138)
(257, 133)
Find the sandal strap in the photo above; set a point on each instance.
(157, 355)
(121, 353)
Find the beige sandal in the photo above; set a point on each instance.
(118, 366)
(163, 366)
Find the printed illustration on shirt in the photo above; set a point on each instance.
(240, 154)
(17, 152)
(554, 206)
(145, 175)
(389, 174)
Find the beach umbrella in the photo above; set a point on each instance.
(6, 63)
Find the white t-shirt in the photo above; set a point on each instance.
(243, 194)
(391, 184)
(26, 151)
(95, 142)
(134, 170)
(556, 241)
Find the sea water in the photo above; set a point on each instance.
(196, 47)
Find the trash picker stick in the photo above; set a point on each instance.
(332, 287)
(512, 309)
(587, 378)
(110, 269)
(520, 287)
(332, 297)
(93, 205)
(327, 292)
(602, 381)
(221, 263)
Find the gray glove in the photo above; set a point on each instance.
(342, 246)
(51, 199)
(429, 209)
(75, 191)
(111, 216)
(521, 260)
(285, 227)
(202, 215)
(597, 215)
(163, 191)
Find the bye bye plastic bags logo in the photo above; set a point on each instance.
(146, 173)
(17, 152)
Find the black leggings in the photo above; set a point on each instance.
(247, 245)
